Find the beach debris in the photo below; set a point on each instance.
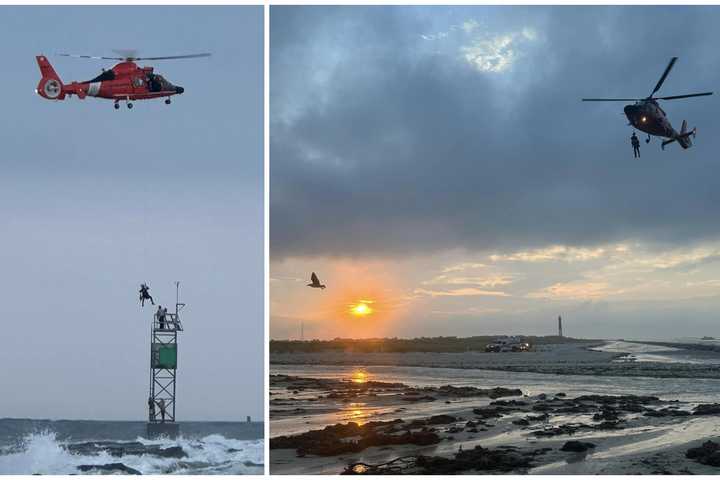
(119, 449)
(500, 459)
(572, 428)
(352, 438)
(110, 467)
(489, 412)
(707, 409)
(666, 412)
(577, 446)
(510, 403)
(396, 466)
(524, 422)
(607, 413)
(707, 454)
(441, 419)
(493, 393)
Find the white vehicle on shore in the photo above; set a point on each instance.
(508, 344)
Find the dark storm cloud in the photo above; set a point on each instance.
(384, 143)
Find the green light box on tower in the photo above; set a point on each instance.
(164, 356)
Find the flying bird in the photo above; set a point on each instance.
(315, 282)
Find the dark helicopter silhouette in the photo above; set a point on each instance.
(647, 116)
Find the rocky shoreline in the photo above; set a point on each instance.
(483, 430)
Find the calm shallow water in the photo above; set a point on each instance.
(639, 352)
(686, 389)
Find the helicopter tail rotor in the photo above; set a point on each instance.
(50, 85)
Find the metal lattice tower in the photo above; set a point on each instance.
(163, 370)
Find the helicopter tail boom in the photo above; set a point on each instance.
(50, 85)
(683, 138)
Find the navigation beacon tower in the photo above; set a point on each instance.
(560, 326)
(163, 371)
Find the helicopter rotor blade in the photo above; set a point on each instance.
(129, 55)
(664, 75)
(175, 57)
(610, 99)
(89, 56)
(675, 97)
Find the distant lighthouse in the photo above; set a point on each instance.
(560, 326)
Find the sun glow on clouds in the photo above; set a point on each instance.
(485, 51)
(553, 253)
(498, 53)
(576, 291)
(459, 292)
(478, 281)
(363, 298)
(376, 298)
(463, 266)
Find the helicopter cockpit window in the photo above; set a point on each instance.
(155, 82)
(105, 76)
(159, 84)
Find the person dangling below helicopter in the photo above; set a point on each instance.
(636, 145)
(145, 295)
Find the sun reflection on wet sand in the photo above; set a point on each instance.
(359, 376)
(357, 415)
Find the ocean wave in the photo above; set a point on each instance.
(42, 453)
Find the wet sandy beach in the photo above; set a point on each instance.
(388, 419)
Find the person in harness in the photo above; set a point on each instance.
(636, 145)
(161, 404)
(160, 314)
(151, 408)
(145, 295)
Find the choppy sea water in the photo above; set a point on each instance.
(66, 447)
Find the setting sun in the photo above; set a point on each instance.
(361, 309)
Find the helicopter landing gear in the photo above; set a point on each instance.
(130, 105)
(117, 105)
(167, 101)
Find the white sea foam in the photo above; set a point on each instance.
(42, 453)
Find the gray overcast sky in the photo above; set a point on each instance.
(93, 201)
(427, 141)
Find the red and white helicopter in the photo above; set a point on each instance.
(126, 81)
